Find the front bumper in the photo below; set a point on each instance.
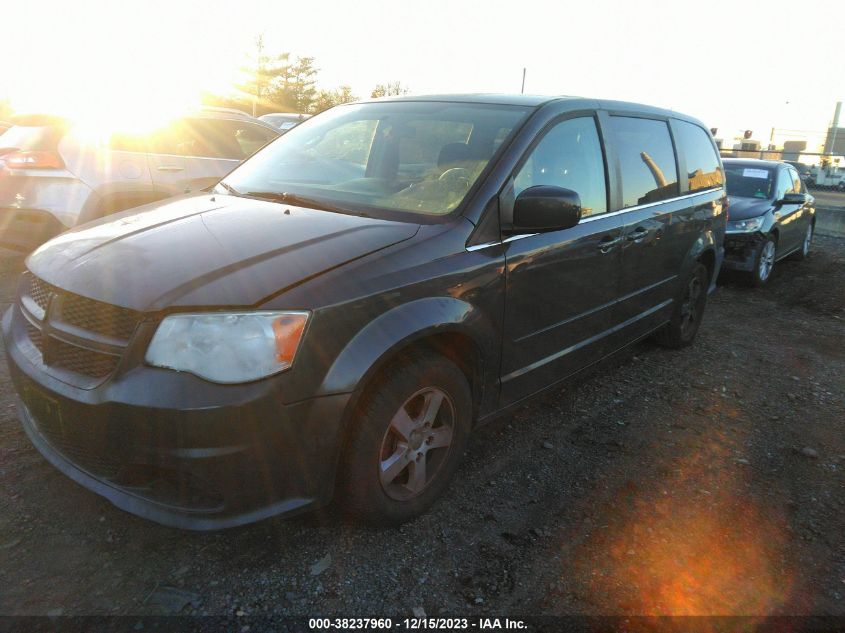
(741, 250)
(176, 450)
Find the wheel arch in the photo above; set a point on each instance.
(702, 250)
(445, 325)
(451, 327)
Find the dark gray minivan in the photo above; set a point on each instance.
(334, 317)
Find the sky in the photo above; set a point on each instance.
(735, 65)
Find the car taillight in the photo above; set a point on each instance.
(33, 160)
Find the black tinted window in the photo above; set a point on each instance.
(703, 168)
(211, 138)
(647, 160)
(569, 156)
(251, 137)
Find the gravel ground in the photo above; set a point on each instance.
(705, 481)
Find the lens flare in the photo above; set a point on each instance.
(698, 544)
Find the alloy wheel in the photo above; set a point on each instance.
(416, 443)
(808, 239)
(690, 306)
(767, 260)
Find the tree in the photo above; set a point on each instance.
(326, 99)
(295, 85)
(390, 89)
(263, 74)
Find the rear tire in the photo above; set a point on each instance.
(689, 310)
(804, 251)
(408, 437)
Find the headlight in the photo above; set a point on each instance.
(746, 225)
(228, 347)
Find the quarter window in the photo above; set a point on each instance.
(569, 156)
(704, 171)
(647, 160)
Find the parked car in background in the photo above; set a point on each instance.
(805, 171)
(284, 120)
(335, 316)
(771, 216)
(53, 176)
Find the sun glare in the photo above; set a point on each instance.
(119, 70)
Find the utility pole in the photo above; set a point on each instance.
(522, 91)
(836, 113)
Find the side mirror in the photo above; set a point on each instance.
(545, 208)
(794, 198)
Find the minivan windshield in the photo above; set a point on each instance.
(418, 157)
(749, 182)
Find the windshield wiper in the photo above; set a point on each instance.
(230, 189)
(295, 199)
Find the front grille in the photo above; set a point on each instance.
(35, 336)
(96, 316)
(80, 360)
(40, 291)
(80, 453)
(84, 315)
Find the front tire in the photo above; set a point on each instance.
(686, 319)
(407, 440)
(764, 262)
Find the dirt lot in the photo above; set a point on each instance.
(705, 481)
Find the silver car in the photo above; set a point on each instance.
(54, 177)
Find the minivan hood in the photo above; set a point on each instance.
(745, 208)
(208, 250)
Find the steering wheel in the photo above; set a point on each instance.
(455, 173)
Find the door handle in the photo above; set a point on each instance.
(638, 235)
(170, 168)
(608, 243)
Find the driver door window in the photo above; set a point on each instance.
(569, 156)
(785, 185)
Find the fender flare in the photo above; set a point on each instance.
(705, 242)
(400, 327)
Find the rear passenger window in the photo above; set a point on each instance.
(211, 138)
(703, 168)
(569, 156)
(647, 160)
